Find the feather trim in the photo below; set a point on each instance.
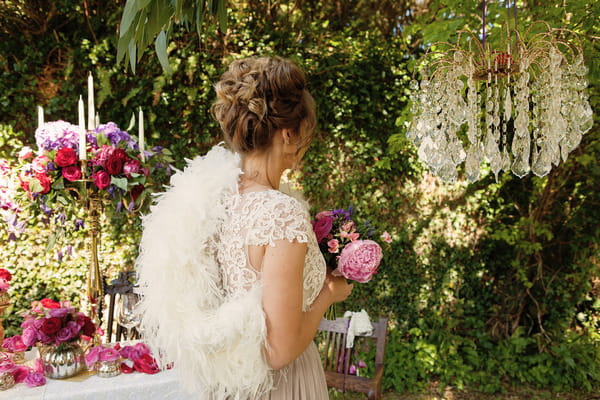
(215, 343)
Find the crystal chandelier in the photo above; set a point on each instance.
(521, 106)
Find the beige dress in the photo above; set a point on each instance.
(261, 218)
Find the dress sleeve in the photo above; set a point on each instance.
(281, 217)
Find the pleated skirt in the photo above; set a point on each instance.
(303, 379)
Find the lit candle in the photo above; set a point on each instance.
(141, 133)
(91, 111)
(40, 111)
(82, 132)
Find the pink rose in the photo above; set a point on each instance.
(333, 246)
(109, 354)
(39, 164)
(92, 356)
(4, 285)
(71, 173)
(131, 167)
(34, 378)
(359, 260)
(29, 336)
(101, 179)
(20, 373)
(322, 227)
(14, 344)
(7, 365)
(103, 154)
(386, 237)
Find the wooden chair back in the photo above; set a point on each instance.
(338, 360)
(118, 286)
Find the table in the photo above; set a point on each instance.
(134, 386)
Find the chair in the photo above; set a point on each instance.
(337, 359)
(118, 286)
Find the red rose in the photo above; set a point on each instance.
(146, 364)
(101, 179)
(114, 164)
(121, 155)
(71, 173)
(65, 157)
(88, 327)
(322, 227)
(44, 181)
(49, 303)
(51, 325)
(5, 274)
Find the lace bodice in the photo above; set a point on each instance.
(261, 218)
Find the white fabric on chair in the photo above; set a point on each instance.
(360, 324)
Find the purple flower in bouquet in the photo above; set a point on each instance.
(359, 260)
(114, 135)
(57, 134)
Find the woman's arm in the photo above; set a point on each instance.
(289, 329)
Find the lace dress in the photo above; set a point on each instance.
(259, 219)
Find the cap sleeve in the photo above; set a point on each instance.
(281, 217)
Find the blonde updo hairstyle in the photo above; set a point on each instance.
(257, 97)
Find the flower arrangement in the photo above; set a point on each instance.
(113, 165)
(55, 323)
(134, 358)
(346, 246)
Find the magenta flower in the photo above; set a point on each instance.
(109, 354)
(14, 344)
(35, 378)
(322, 227)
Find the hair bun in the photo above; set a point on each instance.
(258, 106)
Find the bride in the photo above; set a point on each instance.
(233, 283)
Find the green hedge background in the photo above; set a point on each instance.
(485, 284)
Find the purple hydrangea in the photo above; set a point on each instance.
(56, 134)
(113, 134)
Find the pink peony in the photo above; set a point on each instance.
(39, 164)
(322, 227)
(359, 260)
(92, 356)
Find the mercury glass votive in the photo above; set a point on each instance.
(108, 369)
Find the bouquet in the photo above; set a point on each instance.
(53, 323)
(114, 166)
(30, 376)
(346, 246)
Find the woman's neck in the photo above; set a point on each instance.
(261, 170)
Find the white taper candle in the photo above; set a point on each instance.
(82, 132)
(141, 133)
(91, 111)
(40, 112)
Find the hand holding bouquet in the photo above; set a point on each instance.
(346, 246)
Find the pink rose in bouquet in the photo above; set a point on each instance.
(359, 260)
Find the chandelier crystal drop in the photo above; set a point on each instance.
(523, 108)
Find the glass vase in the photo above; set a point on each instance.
(63, 361)
(108, 369)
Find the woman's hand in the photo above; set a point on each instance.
(337, 288)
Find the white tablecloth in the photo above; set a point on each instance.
(134, 386)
